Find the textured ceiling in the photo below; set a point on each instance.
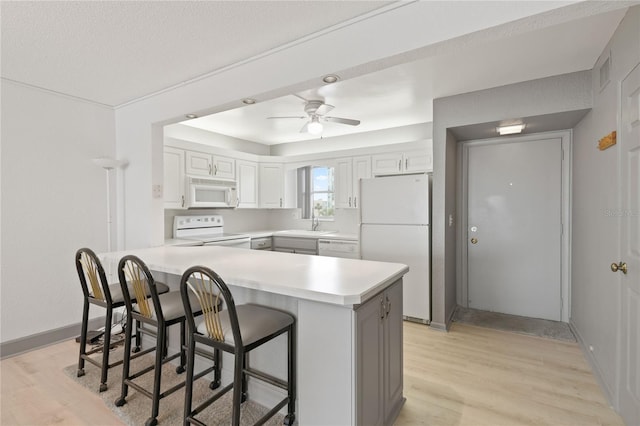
(112, 52)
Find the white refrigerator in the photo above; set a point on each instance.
(394, 227)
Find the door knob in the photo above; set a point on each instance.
(615, 267)
(474, 240)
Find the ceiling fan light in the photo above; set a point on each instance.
(314, 127)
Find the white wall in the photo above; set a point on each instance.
(596, 290)
(53, 203)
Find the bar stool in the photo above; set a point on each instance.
(97, 291)
(159, 311)
(236, 330)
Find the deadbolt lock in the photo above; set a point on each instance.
(474, 240)
(615, 267)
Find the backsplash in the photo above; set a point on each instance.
(241, 220)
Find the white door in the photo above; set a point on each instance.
(271, 184)
(514, 227)
(630, 249)
(395, 200)
(407, 244)
(247, 183)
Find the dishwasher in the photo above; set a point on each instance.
(339, 248)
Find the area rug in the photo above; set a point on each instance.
(138, 407)
(517, 324)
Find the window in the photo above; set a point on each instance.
(315, 192)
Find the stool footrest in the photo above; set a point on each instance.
(266, 378)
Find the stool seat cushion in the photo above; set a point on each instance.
(117, 297)
(255, 322)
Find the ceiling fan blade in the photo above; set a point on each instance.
(347, 121)
(305, 128)
(323, 109)
(292, 116)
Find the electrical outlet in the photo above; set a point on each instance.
(157, 191)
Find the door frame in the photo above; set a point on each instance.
(462, 280)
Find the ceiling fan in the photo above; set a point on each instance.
(316, 110)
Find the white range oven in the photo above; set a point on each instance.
(209, 229)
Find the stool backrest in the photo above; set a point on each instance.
(210, 289)
(92, 277)
(135, 276)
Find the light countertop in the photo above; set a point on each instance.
(338, 281)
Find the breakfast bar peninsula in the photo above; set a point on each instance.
(349, 325)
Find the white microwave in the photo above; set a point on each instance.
(211, 193)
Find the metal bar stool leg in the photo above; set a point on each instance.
(155, 404)
(125, 363)
(83, 337)
(188, 392)
(237, 388)
(291, 376)
(183, 355)
(105, 350)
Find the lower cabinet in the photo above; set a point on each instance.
(379, 358)
(295, 245)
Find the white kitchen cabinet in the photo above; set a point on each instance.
(349, 171)
(379, 358)
(361, 170)
(295, 245)
(203, 164)
(174, 178)
(401, 162)
(271, 184)
(343, 183)
(247, 172)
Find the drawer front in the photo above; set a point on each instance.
(310, 244)
(261, 243)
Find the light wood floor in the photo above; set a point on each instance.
(469, 376)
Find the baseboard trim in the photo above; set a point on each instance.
(45, 338)
(595, 368)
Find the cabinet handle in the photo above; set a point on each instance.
(406, 163)
(280, 202)
(382, 308)
(182, 201)
(215, 170)
(355, 201)
(238, 202)
(210, 169)
(388, 306)
(399, 165)
(349, 201)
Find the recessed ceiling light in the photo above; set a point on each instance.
(248, 101)
(331, 78)
(191, 116)
(511, 129)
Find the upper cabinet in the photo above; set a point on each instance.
(174, 178)
(401, 162)
(349, 171)
(247, 172)
(271, 184)
(203, 164)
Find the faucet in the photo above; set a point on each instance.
(315, 222)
